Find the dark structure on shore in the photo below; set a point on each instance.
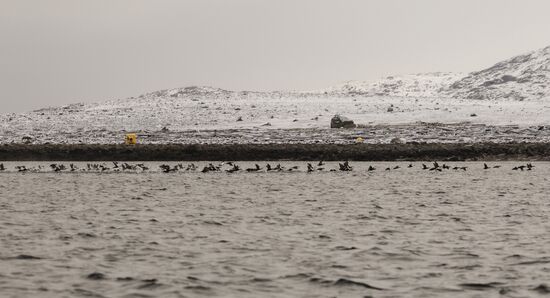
(341, 122)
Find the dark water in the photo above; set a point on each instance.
(399, 233)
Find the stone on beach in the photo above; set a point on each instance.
(341, 122)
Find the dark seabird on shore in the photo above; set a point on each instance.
(485, 166)
(371, 168)
(321, 163)
(410, 165)
(309, 168)
(424, 167)
(2, 168)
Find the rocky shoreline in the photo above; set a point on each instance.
(298, 152)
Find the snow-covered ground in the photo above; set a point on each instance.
(191, 114)
(413, 85)
(203, 109)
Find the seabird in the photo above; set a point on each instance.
(309, 168)
(235, 168)
(55, 167)
(345, 166)
(142, 167)
(21, 168)
(292, 168)
(256, 169)
(168, 169)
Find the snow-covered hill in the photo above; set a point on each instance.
(525, 77)
(414, 85)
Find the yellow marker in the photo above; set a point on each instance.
(131, 139)
(359, 140)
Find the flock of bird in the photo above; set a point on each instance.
(231, 167)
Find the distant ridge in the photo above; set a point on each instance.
(524, 77)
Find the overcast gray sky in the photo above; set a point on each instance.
(63, 51)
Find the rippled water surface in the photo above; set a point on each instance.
(400, 233)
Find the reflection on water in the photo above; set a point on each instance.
(404, 232)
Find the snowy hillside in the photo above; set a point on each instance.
(524, 77)
(515, 92)
(414, 85)
(179, 115)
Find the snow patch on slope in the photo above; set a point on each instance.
(412, 85)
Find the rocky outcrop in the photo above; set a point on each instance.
(341, 122)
